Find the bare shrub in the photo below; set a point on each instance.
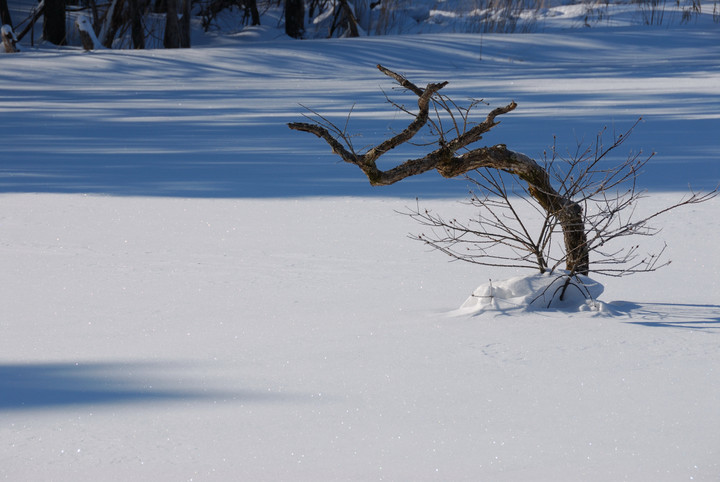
(578, 197)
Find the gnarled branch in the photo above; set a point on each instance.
(448, 163)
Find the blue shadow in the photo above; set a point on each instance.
(38, 386)
(109, 126)
(670, 315)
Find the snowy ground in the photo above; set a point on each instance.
(194, 292)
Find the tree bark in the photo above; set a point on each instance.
(254, 13)
(8, 39)
(87, 34)
(160, 6)
(445, 161)
(113, 22)
(171, 40)
(136, 24)
(54, 22)
(5, 14)
(184, 25)
(294, 18)
(350, 19)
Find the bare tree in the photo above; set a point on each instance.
(501, 235)
(563, 193)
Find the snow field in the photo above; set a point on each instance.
(175, 338)
(193, 292)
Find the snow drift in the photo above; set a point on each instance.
(557, 291)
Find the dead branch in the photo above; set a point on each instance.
(445, 161)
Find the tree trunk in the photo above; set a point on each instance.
(5, 14)
(160, 6)
(350, 19)
(87, 34)
(171, 40)
(136, 21)
(185, 25)
(254, 13)
(294, 18)
(95, 16)
(444, 160)
(113, 22)
(8, 39)
(54, 23)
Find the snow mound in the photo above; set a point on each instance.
(536, 292)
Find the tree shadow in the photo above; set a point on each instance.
(670, 315)
(38, 386)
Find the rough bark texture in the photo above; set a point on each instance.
(445, 161)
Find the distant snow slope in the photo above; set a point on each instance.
(211, 121)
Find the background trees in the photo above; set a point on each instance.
(155, 23)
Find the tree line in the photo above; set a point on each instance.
(154, 23)
(141, 23)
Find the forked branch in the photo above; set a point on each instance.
(446, 160)
(442, 159)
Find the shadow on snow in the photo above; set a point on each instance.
(212, 122)
(38, 386)
(670, 315)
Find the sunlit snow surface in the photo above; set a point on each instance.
(191, 291)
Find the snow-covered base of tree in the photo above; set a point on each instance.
(556, 291)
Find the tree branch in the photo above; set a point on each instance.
(444, 161)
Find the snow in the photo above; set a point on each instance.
(191, 291)
(556, 291)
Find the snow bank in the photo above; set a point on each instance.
(557, 291)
